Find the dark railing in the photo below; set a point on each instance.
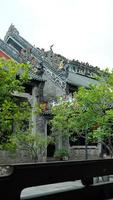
(14, 178)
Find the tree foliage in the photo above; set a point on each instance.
(90, 111)
(13, 77)
(15, 112)
(33, 144)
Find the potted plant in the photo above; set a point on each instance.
(62, 154)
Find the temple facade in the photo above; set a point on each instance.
(52, 75)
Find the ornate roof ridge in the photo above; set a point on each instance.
(84, 64)
(12, 30)
(54, 57)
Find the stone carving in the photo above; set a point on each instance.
(57, 66)
(51, 47)
(61, 83)
(33, 56)
(27, 57)
(82, 68)
(61, 63)
(11, 30)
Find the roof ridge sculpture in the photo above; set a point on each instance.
(12, 30)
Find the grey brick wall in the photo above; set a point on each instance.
(78, 152)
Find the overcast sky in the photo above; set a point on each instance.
(79, 29)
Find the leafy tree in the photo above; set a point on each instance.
(33, 144)
(89, 113)
(13, 76)
(15, 112)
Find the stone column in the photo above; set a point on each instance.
(99, 149)
(42, 129)
(37, 97)
(34, 112)
(65, 142)
(58, 142)
(39, 125)
(62, 142)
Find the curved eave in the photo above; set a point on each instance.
(80, 80)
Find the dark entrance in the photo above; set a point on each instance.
(51, 147)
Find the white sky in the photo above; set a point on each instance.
(79, 29)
